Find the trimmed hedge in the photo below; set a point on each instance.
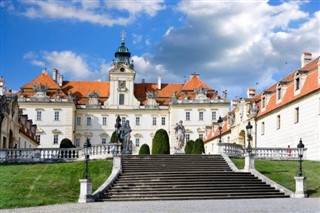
(188, 147)
(144, 150)
(160, 143)
(66, 143)
(198, 147)
(113, 138)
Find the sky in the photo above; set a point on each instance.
(233, 45)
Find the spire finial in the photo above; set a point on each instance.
(123, 35)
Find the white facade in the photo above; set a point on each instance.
(292, 128)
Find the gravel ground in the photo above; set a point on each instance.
(249, 205)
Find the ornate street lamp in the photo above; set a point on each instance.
(300, 147)
(118, 132)
(86, 148)
(220, 127)
(249, 129)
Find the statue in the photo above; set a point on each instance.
(180, 134)
(125, 137)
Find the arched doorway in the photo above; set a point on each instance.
(242, 138)
(10, 139)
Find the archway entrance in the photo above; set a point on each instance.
(242, 138)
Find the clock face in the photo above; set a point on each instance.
(122, 69)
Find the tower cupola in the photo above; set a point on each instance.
(123, 55)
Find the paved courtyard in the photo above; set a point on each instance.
(289, 205)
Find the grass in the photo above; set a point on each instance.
(24, 185)
(283, 172)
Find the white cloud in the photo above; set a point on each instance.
(38, 63)
(136, 38)
(238, 43)
(137, 6)
(91, 11)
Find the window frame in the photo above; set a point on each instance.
(188, 116)
(55, 139)
(201, 116)
(56, 115)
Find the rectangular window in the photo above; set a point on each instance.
(121, 99)
(137, 121)
(137, 142)
(89, 121)
(201, 136)
(123, 120)
(296, 115)
(201, 116)
(38, 115)
(187, 116)
(163, 121)
(262, 128)
(297, 83)
(154, 121)
(103, 140)
(263, 102)
(56, 115)
(187, 137)
(55, 139)
(78, 121)
(278, 121)
(104, 121)
(38, 139)
(214, 115)
(77, 142)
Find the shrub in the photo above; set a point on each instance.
(160, 142)
(144, 150)
(188, 147)
(198, 147)
(66, 143)
(113, 138)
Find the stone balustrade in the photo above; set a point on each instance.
(30, 155)
(270, 153)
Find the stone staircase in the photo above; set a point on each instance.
(184, 177)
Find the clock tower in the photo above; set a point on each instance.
(122, 77)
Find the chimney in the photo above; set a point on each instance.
(33, 129)
(306, 57)
(143, 81)
(60, 80)
(159, 82)
(194, 74)
(2, 88)
(251, 92)
(234, 103)
(319, 71)
(24, 120)
(54, 74)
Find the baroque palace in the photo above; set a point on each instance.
(281, 115)
(81, 110)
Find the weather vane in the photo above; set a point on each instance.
(123, 35)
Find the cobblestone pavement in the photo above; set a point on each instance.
(289, 205)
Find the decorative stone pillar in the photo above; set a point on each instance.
(301, 189)
(248, 162)
(85, 191)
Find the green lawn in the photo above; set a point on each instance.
(23, 185)
(283, 172)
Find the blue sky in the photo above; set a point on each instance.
(232, 44)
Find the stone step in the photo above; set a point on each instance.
(186, 175)
(181, 173)
(187, 178)
(193, 186)
(183, 196)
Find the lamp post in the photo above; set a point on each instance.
(300, 147)
(86, 148)
(249, 129)
(220, 127)
(85, 184)
(118, 132)
(301, 188)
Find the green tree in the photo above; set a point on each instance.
(160, 142)
(113, 137)
(144, 150)
(198, 147)
(66, 143)
(188, 147)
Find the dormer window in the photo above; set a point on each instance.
(279, 92)
(297, 81)
(263, 102)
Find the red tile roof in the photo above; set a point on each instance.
(193, 83)
(310, 85)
